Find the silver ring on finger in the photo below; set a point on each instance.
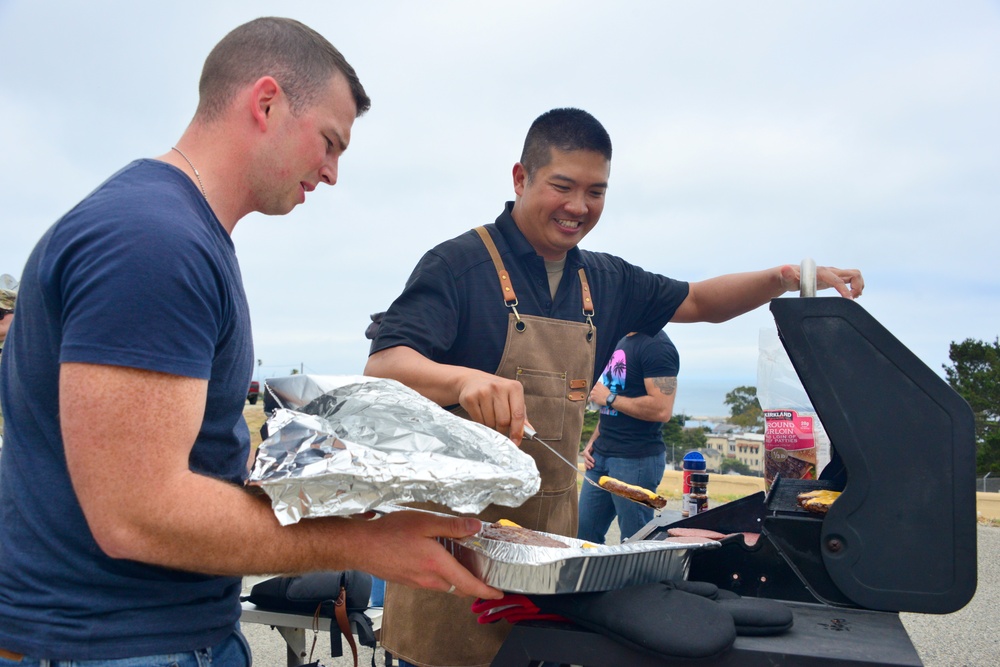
(451, 590)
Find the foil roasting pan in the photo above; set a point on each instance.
(581, 568)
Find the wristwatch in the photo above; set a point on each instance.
(610, 399)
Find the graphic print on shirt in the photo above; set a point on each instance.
(613, 378)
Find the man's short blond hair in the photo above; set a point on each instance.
(299, 58)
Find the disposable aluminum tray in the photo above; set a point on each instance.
(520, 568)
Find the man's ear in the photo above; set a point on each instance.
(263, 97)
(520, 179)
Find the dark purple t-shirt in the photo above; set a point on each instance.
(635, 358)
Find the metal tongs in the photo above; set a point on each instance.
(533, 435)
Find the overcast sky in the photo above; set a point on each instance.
(746, 135)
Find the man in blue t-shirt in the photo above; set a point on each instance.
(124, 527)
(636, 393)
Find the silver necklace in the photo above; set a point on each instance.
(195, 170)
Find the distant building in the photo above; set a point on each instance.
(748, 448)
(713, 459)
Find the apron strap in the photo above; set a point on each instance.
(509, 297)
(344, 623)
(588, 303)
(507, 289)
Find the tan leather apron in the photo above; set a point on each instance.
(554, 361)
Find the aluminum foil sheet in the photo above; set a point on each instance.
(343, 445)
(520, 568)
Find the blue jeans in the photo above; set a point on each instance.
(598, 508)
(233, 651)
(377, 598)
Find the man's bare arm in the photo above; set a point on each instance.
(656, 406)
(725, 297)
(128, 460)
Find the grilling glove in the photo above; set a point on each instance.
(675, 619)
(752, 616)
(654, 618)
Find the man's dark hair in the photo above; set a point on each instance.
(299, 58)
(565, 130)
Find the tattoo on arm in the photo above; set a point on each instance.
(667, 385)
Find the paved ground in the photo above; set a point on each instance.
(969, 637)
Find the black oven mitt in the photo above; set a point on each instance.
(658, 619)
(752, 616)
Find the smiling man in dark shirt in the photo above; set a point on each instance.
(508, 323)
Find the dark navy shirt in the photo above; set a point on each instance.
(635, 358)
(140, 274)
(452, 310)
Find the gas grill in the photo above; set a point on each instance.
(900, 537)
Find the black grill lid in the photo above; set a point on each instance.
(902, 536)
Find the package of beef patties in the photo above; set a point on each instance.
(790, 447)
(795, 443)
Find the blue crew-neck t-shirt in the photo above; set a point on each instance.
(139, 274)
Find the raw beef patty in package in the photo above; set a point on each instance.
(795, 442)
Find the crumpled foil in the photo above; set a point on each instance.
(342, 445)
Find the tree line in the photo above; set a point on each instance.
(975, 374)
